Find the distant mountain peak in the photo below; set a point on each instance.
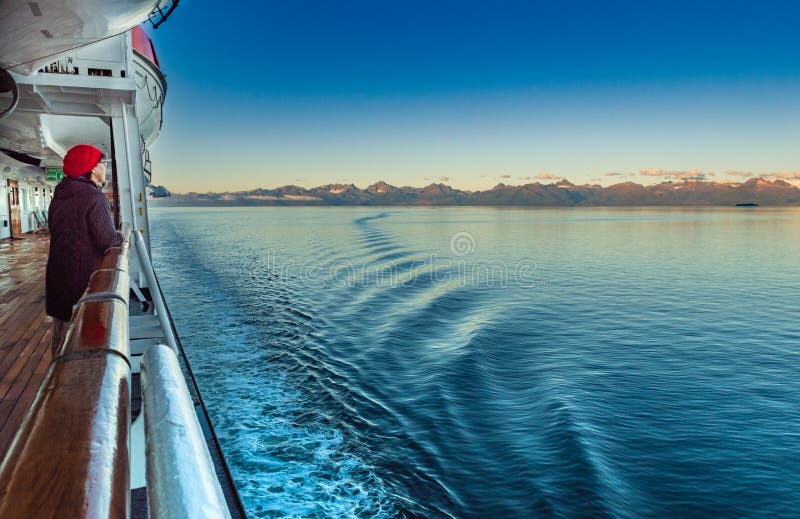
(437, 188)
(341, 188)
(381, 187)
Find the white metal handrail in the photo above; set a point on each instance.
(181, 481)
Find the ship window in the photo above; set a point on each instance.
(100, 72)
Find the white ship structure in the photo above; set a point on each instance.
(112, 425)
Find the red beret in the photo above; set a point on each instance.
(81, 159)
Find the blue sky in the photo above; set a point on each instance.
(475, 93)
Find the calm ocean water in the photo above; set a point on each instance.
(478, 362)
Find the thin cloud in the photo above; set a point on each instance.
(744, 174)
(783, 175)
(547, 176)
(651, 172)
(524, 178)
(615, 174)
(505, 176)
(692, 174)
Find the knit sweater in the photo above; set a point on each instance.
(80, 232)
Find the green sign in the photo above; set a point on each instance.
(54, 173)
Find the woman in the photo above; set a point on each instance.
(81, 231)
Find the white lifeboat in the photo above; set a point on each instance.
(33, 34)
(151, 86)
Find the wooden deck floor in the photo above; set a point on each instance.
(25, 329)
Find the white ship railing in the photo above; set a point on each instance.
(181, 481)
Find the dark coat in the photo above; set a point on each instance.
(80, 232)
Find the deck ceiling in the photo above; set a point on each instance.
(55, 113)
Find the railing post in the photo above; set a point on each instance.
(155, 293)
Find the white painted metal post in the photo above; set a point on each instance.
(155, 293)
(130, 180)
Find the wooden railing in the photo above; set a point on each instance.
(70, 456)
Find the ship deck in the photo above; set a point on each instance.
(25, 329)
